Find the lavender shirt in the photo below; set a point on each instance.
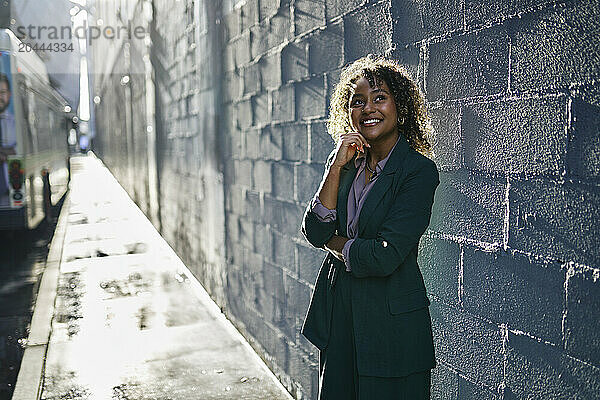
(356, 198)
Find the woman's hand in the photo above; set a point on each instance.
(336, 245)
(347, 146)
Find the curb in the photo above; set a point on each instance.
(31, 373)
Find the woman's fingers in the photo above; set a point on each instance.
(356, 139)
(349, 144)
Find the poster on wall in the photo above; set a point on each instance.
(8, 136)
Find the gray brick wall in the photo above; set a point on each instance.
(511, 261)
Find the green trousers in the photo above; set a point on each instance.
(339, 379)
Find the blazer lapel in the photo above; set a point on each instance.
(383, 183)
(349, 172)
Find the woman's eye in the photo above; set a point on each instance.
(380, 98)
(356, 103)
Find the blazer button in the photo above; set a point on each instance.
(384, 243)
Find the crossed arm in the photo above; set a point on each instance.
(407, 219)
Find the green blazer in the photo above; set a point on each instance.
(390, 308)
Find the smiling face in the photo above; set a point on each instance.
(372, 111)
(4, 96)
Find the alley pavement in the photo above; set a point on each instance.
(128, 320)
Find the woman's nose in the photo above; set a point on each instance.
(369, 106)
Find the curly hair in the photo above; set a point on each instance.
(410, 102)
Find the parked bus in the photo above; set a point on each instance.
(34, 127)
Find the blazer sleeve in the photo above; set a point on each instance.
(316, 231)
(404, 224)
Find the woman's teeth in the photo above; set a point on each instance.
(371, 121)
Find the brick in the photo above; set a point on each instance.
(274, 292)
(526, 294)
(444, 383)
(409, 56)
(321, 144)
(536, 370)
(249, 14)
(233, 24)
(283, 249)
(233, 227)
(235, 293)
(243, 173)
(284, 217)
(479, 65)
(280, 27)
(283, 180)
(480, 12)
(359, 27)
(246, 233)
(230, 116)
(294, 142)
(417, 20)
(253, 207)
(294, 61)
(527, 6)
(469, 205)
(308, 179)
(263, 241)
(326, 49)
(284, 108)
(526, 136)
(468, 390)
(251, 144)
(582, 322)
(556, 47)
(335, 8)
(243, 114)
(252, 79)
(310, 98)
(237, 202)
(270, 68)
(253, 268)
(298, 295)
(271, 142)
(468, 344)
(308, 15)
(268, 8)
(447, 143)
(259, 43)
(332, 78)
(262, 176)
(242, 49)
(439, 263)
(309, 262)
(261, 114)
(555, 220)
(583, 157)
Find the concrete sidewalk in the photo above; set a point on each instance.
(119, 316)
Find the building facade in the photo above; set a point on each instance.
(214, 123)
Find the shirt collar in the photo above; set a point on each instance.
(358, 161)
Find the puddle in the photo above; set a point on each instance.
(70, 291)
(133, 285)
(62, 388)
(144, 316)
(109, 248)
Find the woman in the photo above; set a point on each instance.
(369, 312)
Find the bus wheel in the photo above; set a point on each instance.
(47, 196)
